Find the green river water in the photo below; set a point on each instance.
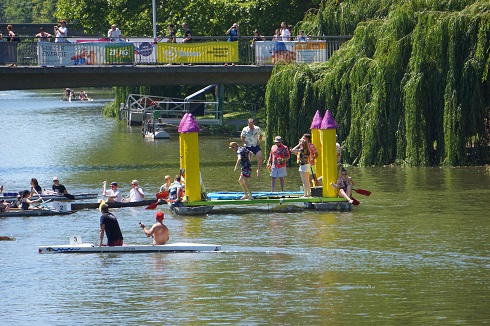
(417, 251)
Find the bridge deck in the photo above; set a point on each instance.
(32, 77)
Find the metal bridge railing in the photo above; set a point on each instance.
(26, 49)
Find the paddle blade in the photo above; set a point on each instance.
(355, 202)
(363, 192)
(162, 194)
(152, 205)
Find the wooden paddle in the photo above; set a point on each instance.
(362, 192)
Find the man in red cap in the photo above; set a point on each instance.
(158, 231)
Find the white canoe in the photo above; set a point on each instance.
(91, 248)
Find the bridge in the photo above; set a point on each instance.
(32, 77)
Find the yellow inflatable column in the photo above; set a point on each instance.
(189, 131)
(329, 154)
(181, 144)
(315, 139)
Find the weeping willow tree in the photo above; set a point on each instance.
(411, 87)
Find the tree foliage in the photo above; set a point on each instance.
(411, 87)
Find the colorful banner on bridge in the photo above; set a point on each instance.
(208, 52)
(74, 54)
(271, 52)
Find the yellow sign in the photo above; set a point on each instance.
(209, 52)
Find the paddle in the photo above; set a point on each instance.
(162, 194)
(362, 192)
(45, 205)
(159, 195)
(68, 196)
(355, 202)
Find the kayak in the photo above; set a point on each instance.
(91, 248)
(61, 197)
(78, 206)
(229, 195)
(32, 212)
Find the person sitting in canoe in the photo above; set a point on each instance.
(175, 191)
(158, 231)
(25, 200)
(4, 206)
(35, 187)
(136, 193)
(109, 226)
(113, 194)
(57, 187)
(344, 186)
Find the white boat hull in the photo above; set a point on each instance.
(91, 248)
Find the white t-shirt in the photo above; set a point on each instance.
(116, 193)
(286, 35)
(134, 195)
(114, 34)
(61, 34)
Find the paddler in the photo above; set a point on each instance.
(158, 231)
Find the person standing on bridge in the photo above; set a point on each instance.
(114, 34)
(187, 33)
(61, 32)
(251, 137)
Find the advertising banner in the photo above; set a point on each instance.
(270, 52)
(75, 54)
(208, 52)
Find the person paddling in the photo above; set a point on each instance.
(158, 231)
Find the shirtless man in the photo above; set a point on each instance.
(158, 231)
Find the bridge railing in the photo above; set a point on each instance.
(248, 53)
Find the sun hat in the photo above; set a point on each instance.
(159, 216)
(233, 144)
(56, 179)
(134, 181)
(278, 139)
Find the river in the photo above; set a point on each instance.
(417, 251)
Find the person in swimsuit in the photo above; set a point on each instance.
(243, 159)
(344, 185)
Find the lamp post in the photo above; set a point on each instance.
(154, 9)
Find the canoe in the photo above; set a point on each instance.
(91, 248)
(32, 212)
(78, 206)
(191, 211)
(61, 197)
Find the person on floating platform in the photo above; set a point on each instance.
(136, 193)
(278, 157)
(344, 185)
(251, 137)
(244, 157)
(303, 152)
(158, 231)
(109, 226)
(113, 194)
(313, 156)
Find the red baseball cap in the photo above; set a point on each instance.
(159, 216)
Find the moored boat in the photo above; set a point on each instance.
(91, 248)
